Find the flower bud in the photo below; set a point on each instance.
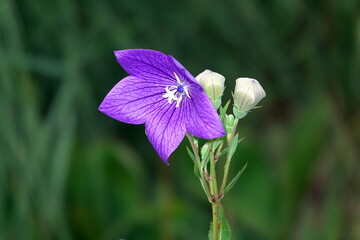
(205, 149)
(229, 125)
(213, 85)
(248, 93)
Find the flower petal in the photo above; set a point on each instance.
(202, 119)
(166, 129)
(132, 99)
(147, 64)
(182, 72)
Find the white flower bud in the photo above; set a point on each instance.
(213, 85)
(248, 93)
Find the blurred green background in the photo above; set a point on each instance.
(68, 171)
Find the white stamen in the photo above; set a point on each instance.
(177, 78)
(172, 93)
(179, 100)
(187, 92)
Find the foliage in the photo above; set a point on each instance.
(69, 172)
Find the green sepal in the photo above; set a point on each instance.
(238, 114)
(225, 231)
(223, 111)
(216, 103)
(234, 180)
(256, 107)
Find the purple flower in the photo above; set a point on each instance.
(161, 93)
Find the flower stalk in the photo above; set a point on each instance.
(216, 224)
(228, 158)
(160, 93)
(247, 95)
(215, 196)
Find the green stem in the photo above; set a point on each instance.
(216, 158)
(226, 173)
(228, 159)
(213, 172)
(214, 195)
(215, 225)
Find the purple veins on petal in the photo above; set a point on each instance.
(146, 64)
(202, 119)
(165, 130)
(164, 96)
(131, 100)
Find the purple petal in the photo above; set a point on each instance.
(146, 64)
(132, 99)
(165, 129)
(202, 119)
(182, 72)
(139, 99)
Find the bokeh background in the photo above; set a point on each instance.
(68, 171)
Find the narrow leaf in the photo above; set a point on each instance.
(190, 153)
(204, 163)
(233, 146)
(223, 152)
(216, 144)
(223, 111)
(196, 170)
(203, 186)
(232, 183)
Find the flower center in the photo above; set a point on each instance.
(180, 89)
(176, 92)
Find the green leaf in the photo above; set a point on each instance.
(190, 153)
(232, 183)
(204, 188)
(233, 146)
(196, 170)
(204, 163)
(225, 231)
(225, 150)
(223, 111)
(216, 144)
